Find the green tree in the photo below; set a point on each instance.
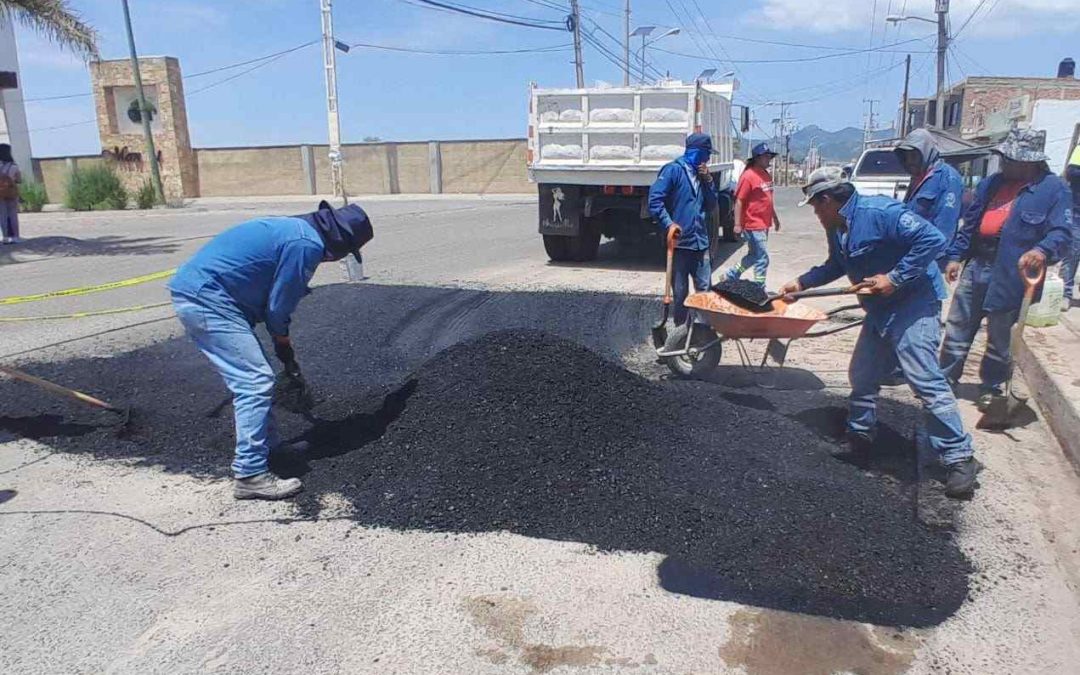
(55, 20)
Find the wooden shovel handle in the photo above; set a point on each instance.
(56, 389)
(673, 234)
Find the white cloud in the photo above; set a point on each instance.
(1005, 17)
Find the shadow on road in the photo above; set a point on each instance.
(37, 248)
(737, 519)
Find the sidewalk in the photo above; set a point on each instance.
(1050, 361)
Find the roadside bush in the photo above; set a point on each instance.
(145, 197)
(95, 188)
(33, 196)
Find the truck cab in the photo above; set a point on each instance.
(879, 172)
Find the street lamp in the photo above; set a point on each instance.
(897, 18)
(644, 32)
(941, 10)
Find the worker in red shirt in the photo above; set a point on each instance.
(755, 214)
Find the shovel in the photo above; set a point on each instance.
(659, 331)
(765, 305)
(124, 413)
(1002, 409)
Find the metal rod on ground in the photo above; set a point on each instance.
(579, 64)
(144, 110)
(337, 174)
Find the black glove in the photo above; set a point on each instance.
(287, 356)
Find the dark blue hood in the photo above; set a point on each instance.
(343, 230)
(698, 149)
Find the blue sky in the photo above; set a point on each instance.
(402, 96)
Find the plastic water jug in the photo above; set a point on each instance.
(1047, 312)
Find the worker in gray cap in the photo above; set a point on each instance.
(888, 251)
(1020, 219)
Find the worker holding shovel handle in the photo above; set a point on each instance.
(257, 272)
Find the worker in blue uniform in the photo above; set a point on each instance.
(936, 187)
(890, 252)
(1021, 219)
(680, 201)
(257, 272)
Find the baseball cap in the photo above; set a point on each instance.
(762, 149)
(821, 180)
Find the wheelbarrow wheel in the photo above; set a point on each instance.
(701, 364)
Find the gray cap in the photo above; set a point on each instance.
(820, 180)
(1024, 145)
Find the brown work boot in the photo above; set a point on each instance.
(266, 486)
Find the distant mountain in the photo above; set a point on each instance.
(843, 146)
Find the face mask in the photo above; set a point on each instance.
(696, 156)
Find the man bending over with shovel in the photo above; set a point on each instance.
(890, 253)
(257, 272)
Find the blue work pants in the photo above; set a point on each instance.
(962, 325)
(685, 266)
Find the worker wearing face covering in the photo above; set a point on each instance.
(257, 272)
(936, 187)
(680, 201)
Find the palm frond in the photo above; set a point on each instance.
(56, 21)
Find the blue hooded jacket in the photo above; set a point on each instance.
(678, 196)
(938, 196)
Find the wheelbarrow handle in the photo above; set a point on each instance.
(823, 292)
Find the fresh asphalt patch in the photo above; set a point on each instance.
(449, 410)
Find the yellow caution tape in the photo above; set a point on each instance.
(82, 315)
(83, 290)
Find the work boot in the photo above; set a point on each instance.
(295, 447)
(985, 401)
(266, 486)
(857, 443)
(676, 340)
(960, 481)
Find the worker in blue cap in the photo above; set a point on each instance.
(680, 200)
(257, 272)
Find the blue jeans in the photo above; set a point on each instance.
(687, 265)
(1069, 265)
(232, 347)
(914, 347)
(757, 256)
(9, 218)
(965, 316)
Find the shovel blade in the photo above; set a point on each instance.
(777, 351)
(659, 335)
(1002, 412)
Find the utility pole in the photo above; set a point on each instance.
(337, 173)
(144, 110)
(869, 127)
(904, 105)
(579, 65)
(626, 46)
(942, 10)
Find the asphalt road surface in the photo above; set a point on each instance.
(130, 555)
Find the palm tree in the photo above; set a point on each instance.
(56, 21)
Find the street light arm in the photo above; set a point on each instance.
(896, 18)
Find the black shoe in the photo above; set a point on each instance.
(960, 481)
(985, 401)
(857, 443)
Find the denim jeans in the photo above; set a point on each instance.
(1069, 265)
(9, 218)
(914, 348)
(965, 316)
(687, 265)
(232, 347)
(757, 256)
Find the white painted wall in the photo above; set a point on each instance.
(1059, 120)
(13, 127)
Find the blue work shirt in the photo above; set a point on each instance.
(885, 237)
(679, 197)
(1041, 218)
(937, 198)
(256, 271)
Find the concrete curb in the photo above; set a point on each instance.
(1047, 358)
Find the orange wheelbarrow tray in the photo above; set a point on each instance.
(785, 321)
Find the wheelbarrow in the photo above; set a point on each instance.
(713, 319)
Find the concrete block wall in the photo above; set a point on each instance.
(426, 167)
(53, 172)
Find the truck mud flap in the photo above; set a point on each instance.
(561, 209)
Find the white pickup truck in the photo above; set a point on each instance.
(879, 172)
(593, 154)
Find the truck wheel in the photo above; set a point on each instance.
(586, 246)
(559, 248)
(695, 367)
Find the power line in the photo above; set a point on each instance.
(464, 52)
(498, 17)
(804, 59)
(970, 17)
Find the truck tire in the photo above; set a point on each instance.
(689, 367)
(559, 248)
(727, 219)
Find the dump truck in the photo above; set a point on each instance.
(593, 154)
